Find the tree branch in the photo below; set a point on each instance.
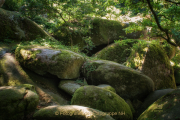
(159, 26)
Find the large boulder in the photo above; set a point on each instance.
(128, 83)
(16, 27)
(151, 98)
(103, 32)
(70, 112)
(157, 66)
(148, 57)
(165, 108)
(104, 100)
(17, 102)
(64, 64)
(118, 51)
(11, 73)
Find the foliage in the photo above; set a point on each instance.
(161, 15)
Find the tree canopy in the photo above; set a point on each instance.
(162, 16)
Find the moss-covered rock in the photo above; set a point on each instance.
(11, 73)
(157, 67)
(15, 27)
(107, 87)
(63, 63)
(151, 98)
(69, 86)
(118, 51)
(128, 83)
(148, 57)
(104, 100)
(165, 108)
(103, 32)
(70, 112)
(16, 102)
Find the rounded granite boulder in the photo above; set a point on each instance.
(104, 100)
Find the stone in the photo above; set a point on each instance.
(104, 100)
(17, 102)
(70, 112)
(64, 64)
(128, 83)
(69, 86)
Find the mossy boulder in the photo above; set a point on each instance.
(17, 102)
(128, 83)
(70, 112)
(64, 64)
(69, 86)
(148, 57)
(11, 73)
(165, 108)
(15, 27)
(157, 66)
(151, 98)
(107, 87)
(102, 32)
(104, 100)
(118, 51)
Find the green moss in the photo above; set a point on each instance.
(28, 87)
(104, 100)
(117, 52)
(164, 108)
(109, 88)
(61, 64)
(15, 27)
(157, 67)
(128, 83)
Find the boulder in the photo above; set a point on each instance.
(165, 108)
(17, 102)
(47, 90)
(157, 66)
(148, 57)
(104, 100)
(69, 86)
(151, 98)
(64, 64)
(11, 73)
(118, 51)
(103, 32)
(107, 87)
(15, 27)
(128, 83)
(70, 112)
